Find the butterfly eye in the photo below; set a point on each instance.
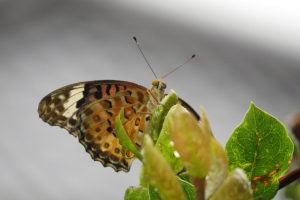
(164, 85)
(155, 82)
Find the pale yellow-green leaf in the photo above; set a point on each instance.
(219, 168)
(159, 173)
(124, 139)
(190, 141)
(235, 187)
(136, 193)
(160, 113)
(204, 121)
(166, 147)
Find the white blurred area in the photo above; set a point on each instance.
(268, 24)
(246, 51)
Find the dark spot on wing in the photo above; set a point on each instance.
(72, 121)
(109, 129)
(108, 89)
(117, 88)
(138, 145)
(98, 95)
(80, 102)
(117, 150)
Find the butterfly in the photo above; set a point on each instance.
(87, 110)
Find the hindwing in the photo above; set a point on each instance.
(96, 127)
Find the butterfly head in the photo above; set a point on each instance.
(159, 84)
(158, 89)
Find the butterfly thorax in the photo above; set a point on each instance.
(156, 94)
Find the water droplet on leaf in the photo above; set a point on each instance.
(176, 154)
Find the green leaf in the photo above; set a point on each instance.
(143, 182)
(136, 193)
(160, 113)
(186, 177)
(260, 145)
(159, 173)
(153, 193)
(124, 139)
(190, 141)
(236, 187)
(159, 125)
(166, 147)
(188, 189)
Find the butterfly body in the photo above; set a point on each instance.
(88, 110)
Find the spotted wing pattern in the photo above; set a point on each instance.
(88, 110)
(96, 129)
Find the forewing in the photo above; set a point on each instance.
(60, 107)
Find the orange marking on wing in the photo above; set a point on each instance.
(129, 112)
(137, 121)
(112, 90)
(103, 90)
(118, 102)
(129, 154)
(104, 104)
(121, 88)
(130, 99)
(141, 97)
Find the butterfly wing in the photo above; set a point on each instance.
(88, 109)
(189, 108)
(96, 128)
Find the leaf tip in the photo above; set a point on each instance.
(252, 104)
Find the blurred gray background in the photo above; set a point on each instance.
(245, 52)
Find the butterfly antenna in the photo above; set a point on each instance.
(144, 56)
(180, 65)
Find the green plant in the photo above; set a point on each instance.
(182, 159)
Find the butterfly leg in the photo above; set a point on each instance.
(153, 97)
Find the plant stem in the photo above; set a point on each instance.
(199, 185)
(289, 178)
